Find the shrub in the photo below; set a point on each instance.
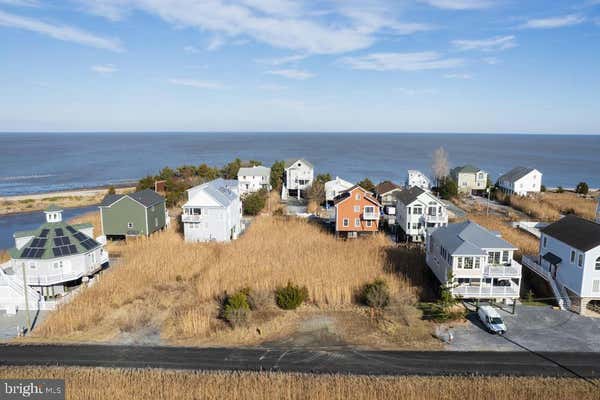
(111, 190)
(448, 188)
(376, 294)
(543, 188)
(237, 308)
(291, 296)
(560, 189)
(253, 203)
(582, 188)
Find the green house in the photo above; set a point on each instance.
(135, 214)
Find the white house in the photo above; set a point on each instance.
(469, 179)
(479, 261)
(213, 212)
(253, 179)
(386, 194)
(418, 179)
(335, 187)
(417, 210)
(569, 259)
(298, 177)
(51, 257)
(521, 181)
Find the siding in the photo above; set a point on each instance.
(116, 217)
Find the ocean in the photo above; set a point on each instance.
(44, 162)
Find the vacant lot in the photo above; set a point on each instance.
(168, 291)
(101, 383)
(549, 206)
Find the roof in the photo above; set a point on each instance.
(469, 169)
(515, 174)
(552, 258)
(407, 196)
(219, 189)
(290, 161)
(146, 197)
(469, 239)
(579, 233)
(346, 193)
(52, 208)
(385, 186)
(338, 182)
(54, 240)
(258, 170)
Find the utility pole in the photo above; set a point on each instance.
(26, 298)
(487, 208)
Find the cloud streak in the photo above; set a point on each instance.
(60, 32)
(497, 43)
(554, 22)
(197, 84)
(418, 61)
(460, 4)
(104, 69)
(292, 74)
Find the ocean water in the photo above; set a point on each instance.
(44, 162)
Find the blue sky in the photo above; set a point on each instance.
(281, 65)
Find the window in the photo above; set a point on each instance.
(369, 223)
(130, 225)
(408, 210)
(432, 211)
(155, 222)
(459, 262)
(494, 257)
(580, 261)
(477, 262)
(417, 210)
(505, 257)
(598, 264)
(572, 257)
(356, 208)
(357, 222)
(468, 263)
(346, 222)
(369, 209)
(357, 197)
(545, 242)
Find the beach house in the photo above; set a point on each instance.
(569, 260)
(297, 178)
(356, 213)
(384, 193)
(135, 214)
(474, 262)
(469, 179)
(252, 179)
(417, 210)
(520, 181)
(334, 187)
(55, 256)
(417, 178)
(213, 212)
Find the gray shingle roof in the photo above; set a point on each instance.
(407, 196)
(219, 189)
(468, 239)
(254, 171)
(515, 174)
(577, 232)
(466, 169)
(147, 197)
(290, 161)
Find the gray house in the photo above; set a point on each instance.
(135, 214)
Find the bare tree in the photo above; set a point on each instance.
(439, 166)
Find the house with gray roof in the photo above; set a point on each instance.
(298, 177)
(474, 262)
(469, 179)
(135, 214)
(521, 181)
(252, 179)
(51, 257)
(416, 211)
(213, 212)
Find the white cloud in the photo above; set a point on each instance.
(554, 22)
(282, 60)
(21, 3)
(292, 73)
(490, 60)
(60, 32)
(402, 61)
(458, 76)
(215, 43)
(198, 84)
(460, 4)
(279, 23)
(496, 43)
(104, 69)
(191, 49)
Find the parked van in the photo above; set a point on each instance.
(491, 319)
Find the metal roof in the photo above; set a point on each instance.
(258, 170)
(146, 197)
(219, 189)
(466, 169)
(407, 196)
(577, 232)
(468, 239)
(290, 161)
(515, 174)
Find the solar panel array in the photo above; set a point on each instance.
(62, 241)
(38, 242)
(32, 252)
(80, 236)
(71, 229)
(89, 244)
(64, 250)
(44, 233)
(58, 232)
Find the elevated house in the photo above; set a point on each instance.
(136, 214)
(474, 262)
(417, 210)
(356, 213)
(252, 179)
(385, 193)
(334, 187)
(418, 179)
(569, 260)
(297, 179)
(470, 179)
(213, 212)
(521, 181)
(49, 260)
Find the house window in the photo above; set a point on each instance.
(598, 264)
(356, 208)
(130, 225)
(572, 257)
(357, 197)
(346, 222)
(408, 210)
(417, 211)
(369, 209)
(505, 257)
(431, 211)
(468, 263)
(459, 262)
(477, 262)
(494, 257)
(580, 261)
(369, 223)
(155, 222)
(357, 222)
(545, 243)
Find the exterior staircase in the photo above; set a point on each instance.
(563, 300)
(12, 295)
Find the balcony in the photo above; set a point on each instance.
(435, 218)
(503, 271)
(370, 216)
(191, 218)
(486, 291)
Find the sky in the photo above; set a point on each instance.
(480, 66)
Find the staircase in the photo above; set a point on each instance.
(12, 295)
(563, 300)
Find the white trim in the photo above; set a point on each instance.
(101, 220)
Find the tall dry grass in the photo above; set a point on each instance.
(174, 286)
(116, 384)
(549, 206)
(527, 244)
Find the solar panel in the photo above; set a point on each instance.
(56, 251)
(73, 249)
(38, 242)
(44, 233)
(89, 244)
(58, 232)
(80, 236)
(25, 253)
(71, 229)
(38, 253)
(62, 241)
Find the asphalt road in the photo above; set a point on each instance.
(344, 361)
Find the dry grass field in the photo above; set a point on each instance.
(527, 244)
(102, 383)
(549, 206)
(174, 289)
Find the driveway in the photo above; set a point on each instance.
(532, 328)
(458, 212)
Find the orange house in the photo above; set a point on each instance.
(356, 211)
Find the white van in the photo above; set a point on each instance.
(491, 319)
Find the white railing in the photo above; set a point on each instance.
(499, 271)
(564, 303)
(486, 291)
(370, 216)
(16, 299)
(434, 218)
(191, 218)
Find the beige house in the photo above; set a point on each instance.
(469, 179)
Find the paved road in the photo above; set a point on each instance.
(337, 361)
